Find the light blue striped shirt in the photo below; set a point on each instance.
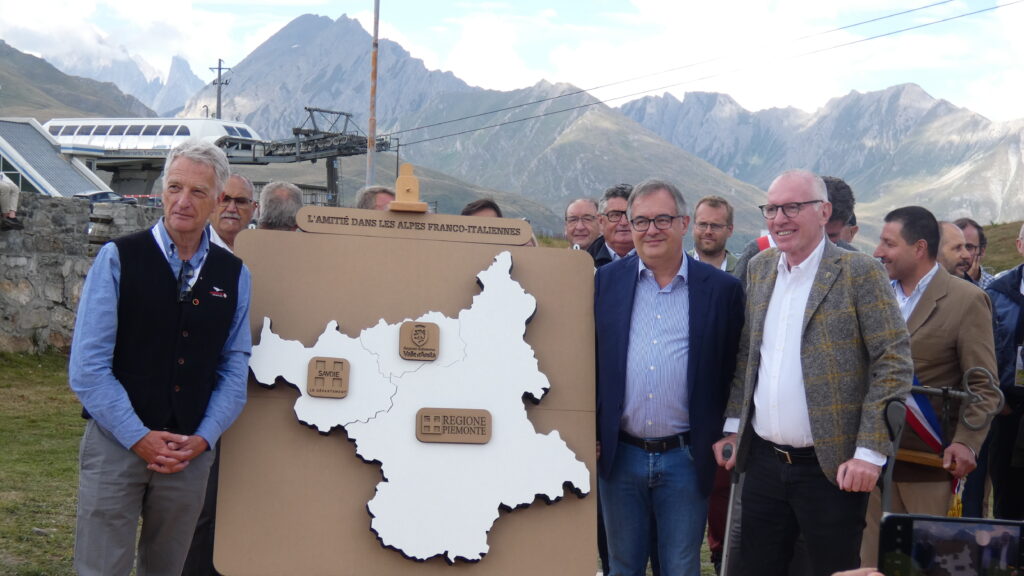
(656, 402)
(908, 303)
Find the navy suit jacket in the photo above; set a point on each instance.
(716, 320)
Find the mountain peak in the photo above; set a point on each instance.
(344, 19)
(148, 70)
(713, 101)
(905, 96)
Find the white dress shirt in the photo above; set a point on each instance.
(780, 403)
(216, 239)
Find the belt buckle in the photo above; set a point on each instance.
(651, 445)
(789, 459)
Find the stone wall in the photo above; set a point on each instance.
(43, 267)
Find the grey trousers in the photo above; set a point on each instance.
(115, 489)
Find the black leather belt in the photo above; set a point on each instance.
(656, 444)
(789, 454)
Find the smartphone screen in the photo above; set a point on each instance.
(935, 546)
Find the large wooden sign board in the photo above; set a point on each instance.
(295, 501)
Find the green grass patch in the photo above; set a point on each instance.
(1001, 253)
(552, 242)
(40, 427)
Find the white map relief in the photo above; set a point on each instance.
(439, 499)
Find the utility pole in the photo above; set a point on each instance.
(371, 144)
(220, 82)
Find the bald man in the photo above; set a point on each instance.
(953, 253)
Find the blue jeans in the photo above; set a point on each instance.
(662, 485)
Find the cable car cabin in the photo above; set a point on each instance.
(78, 135)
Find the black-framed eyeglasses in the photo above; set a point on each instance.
(614, 215)
(661, 222)
(714, 226)
(791, 209)
(586, 219)
(239, 201)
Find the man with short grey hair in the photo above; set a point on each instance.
(667, 331)
(279, 203)
(840, 197)
(616, 238)
(824, 349)
(159, 361)
(233, 213)
(581, 226)
(375, 198)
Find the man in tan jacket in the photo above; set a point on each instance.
(950, 325)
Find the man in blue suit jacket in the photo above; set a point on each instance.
(668, 330)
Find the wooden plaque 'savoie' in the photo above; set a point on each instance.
(328, 377)
(419, 341)
(453, 426)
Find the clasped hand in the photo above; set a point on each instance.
(166, 452)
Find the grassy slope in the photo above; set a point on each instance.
(40, 427)
(1002, 250)
(33, 87)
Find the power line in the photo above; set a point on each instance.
(878, 19)
(689, 81)
(662, 72)
(909, 28)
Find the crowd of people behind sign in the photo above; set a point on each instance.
(775, 364)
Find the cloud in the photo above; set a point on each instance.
(487, 52)
(757, 51)
(154, 30)
(65, 29)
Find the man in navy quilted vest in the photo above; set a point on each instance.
(159, 361)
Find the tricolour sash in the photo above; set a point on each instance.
(922, 419)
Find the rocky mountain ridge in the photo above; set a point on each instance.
(319, 62)
(553, 144)
(895, 146)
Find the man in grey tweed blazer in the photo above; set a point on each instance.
(824, 348)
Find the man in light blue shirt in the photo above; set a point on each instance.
(668, 329)
(159, 361)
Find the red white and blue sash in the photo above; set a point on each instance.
(922, 419)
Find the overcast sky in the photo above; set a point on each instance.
(754, 50)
